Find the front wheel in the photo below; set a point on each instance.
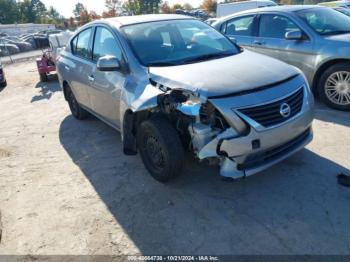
(334, 86)
(160, 148)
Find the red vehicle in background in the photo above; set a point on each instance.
(46, 64)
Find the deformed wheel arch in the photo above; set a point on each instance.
(131, 121)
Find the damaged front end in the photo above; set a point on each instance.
(230, 130)
(201, 126)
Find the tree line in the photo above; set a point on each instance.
(135, 7)
(35, 11)
(28, 11)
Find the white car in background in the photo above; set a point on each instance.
(232, 8)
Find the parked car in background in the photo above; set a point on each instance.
(3, 82)
(8, 49)
(23, 46)
(198, 13)
(41, 40)
(344, 4)
(29, 39)
(171, 82)
(235, 7)
(47, 33)
(13, 38)
(345, 11)
(211, 21)
(313, 38)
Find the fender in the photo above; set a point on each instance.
(135, 99)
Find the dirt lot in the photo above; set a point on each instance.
(66, 188)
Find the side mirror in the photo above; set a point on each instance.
(294, 35)
(108, 64)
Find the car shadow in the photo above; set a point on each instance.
(327, 114)
(295, 207)
(47, 89)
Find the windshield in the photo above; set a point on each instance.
(175, 42)
(344, 11)
(326, 21)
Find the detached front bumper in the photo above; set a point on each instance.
(253, 163)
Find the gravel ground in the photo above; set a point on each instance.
(67, 188)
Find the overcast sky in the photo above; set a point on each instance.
(65, 7)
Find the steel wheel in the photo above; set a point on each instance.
(155, 152)
(160, 148)
(337, 88)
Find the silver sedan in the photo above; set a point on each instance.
(170, 83)
(315, 39)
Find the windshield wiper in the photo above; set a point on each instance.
(161, 64)
(205, 57)
(339, 32)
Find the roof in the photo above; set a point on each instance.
(282, 8)
(137, 19)
(278, 8)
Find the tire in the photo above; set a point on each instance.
(160, 148)
(3, 84)
(43, 77)
(334, 86)
(77, 111)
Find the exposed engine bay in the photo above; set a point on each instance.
(201, 126)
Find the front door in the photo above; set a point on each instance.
(271, 41)
(106, 87)
(78, 66)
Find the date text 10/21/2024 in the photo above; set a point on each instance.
(173, 258)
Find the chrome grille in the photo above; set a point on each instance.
(270, 114)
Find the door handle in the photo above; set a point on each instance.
(67, 68)
(257, 42)
(91, 78)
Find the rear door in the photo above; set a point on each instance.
(106, 87)
(79, 65)
(240, 29)
(271, 41)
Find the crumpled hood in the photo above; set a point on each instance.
(240, 72)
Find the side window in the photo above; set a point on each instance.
(276, 26)
(105, 44)
(82, 44)
(240, 26)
